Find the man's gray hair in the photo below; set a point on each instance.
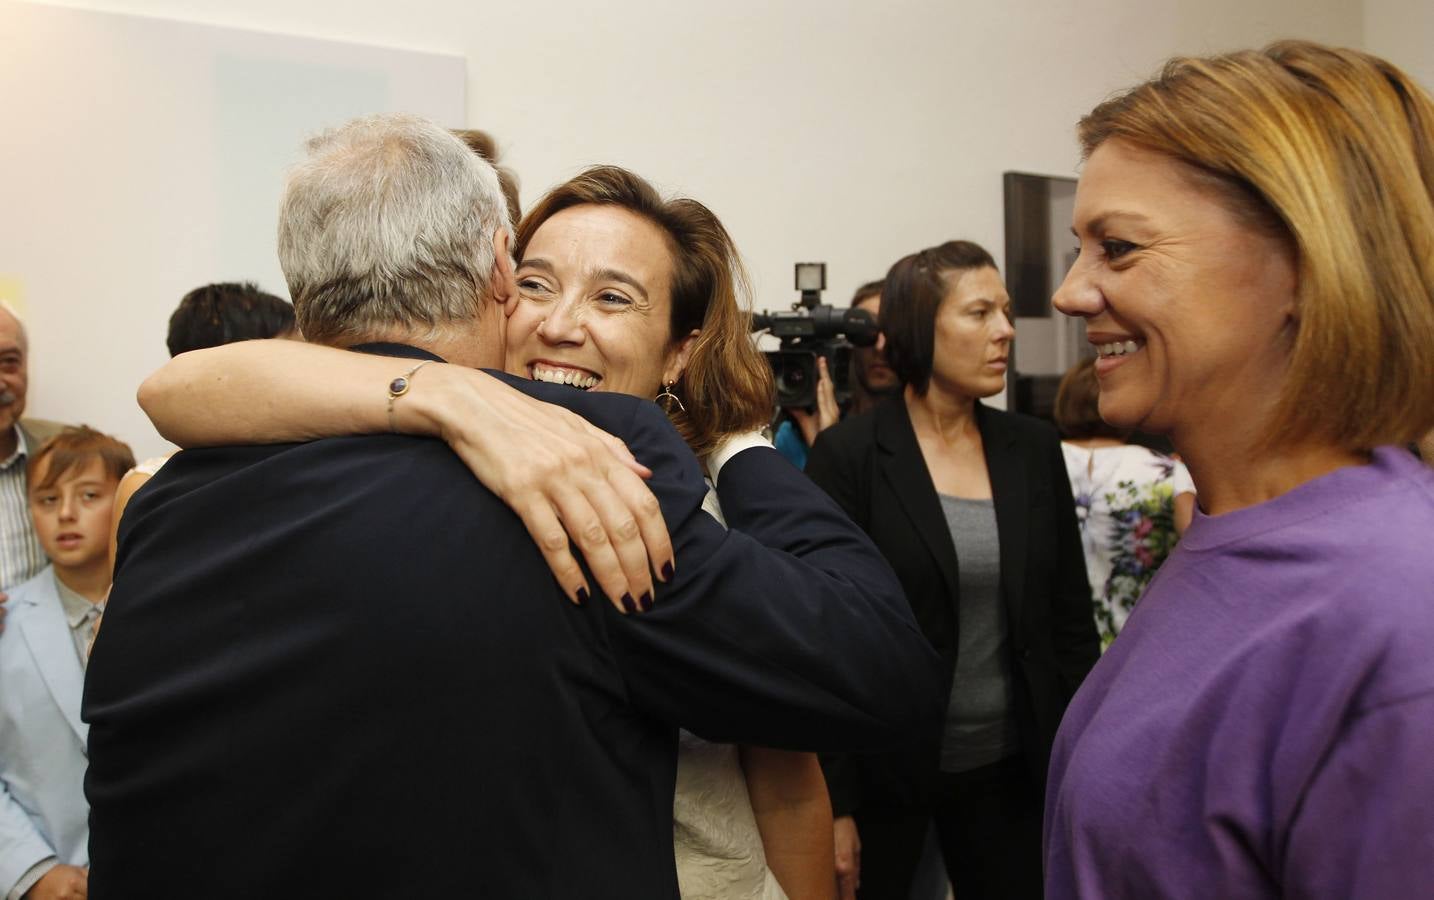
(386, 230)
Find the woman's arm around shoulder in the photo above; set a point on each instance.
(563, 477)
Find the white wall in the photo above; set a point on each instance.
(1402, 31)
(850, 132)
(144, 157)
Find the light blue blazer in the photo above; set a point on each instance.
(42, 740)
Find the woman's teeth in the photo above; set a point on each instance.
(1119, 348)
(582, 380)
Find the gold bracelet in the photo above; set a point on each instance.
(398, 387)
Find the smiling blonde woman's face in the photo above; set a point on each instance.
(1190, 308)
(595, 304)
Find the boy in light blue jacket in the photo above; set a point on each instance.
(44, 831)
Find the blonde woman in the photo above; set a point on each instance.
(1256, 271)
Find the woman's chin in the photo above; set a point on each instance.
(990, 387)
(1133, 417)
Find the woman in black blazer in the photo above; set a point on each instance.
(973, 509)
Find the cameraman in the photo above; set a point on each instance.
(871, 377)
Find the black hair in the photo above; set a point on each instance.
(224, 313)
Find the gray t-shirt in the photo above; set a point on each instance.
(980, 724)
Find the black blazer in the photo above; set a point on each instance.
(872, 465)
(342, 669)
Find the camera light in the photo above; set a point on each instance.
(811, 276)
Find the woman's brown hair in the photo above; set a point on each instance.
(727, 385)
(1332, 149)
(911, 295)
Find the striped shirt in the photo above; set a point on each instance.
(21, 556)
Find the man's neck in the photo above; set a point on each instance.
(90, 581)
(457, 344)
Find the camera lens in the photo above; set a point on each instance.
(795, 374)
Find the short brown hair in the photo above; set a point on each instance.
(1077, 408)
(866, 291)
(910, 297)
(74, 447)
(483, 144)
(1334, 150)
(727, 385)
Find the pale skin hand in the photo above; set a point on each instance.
(827, 413)
(562, 476)
(557, 471)
(794, 817)
(848, 857)
(61, 883)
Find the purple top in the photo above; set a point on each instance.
(1264, 724)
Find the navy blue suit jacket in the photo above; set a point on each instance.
(342, 669)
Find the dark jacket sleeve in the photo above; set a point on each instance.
(833, 469)
(1076, 642)
(789, 630)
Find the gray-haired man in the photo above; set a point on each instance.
(343, 668)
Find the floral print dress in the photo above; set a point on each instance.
(1124, 500)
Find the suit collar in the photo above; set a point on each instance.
(52, 648)
(405, 351)
(906, 471)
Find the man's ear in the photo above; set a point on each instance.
(677, 358)
(504, 284)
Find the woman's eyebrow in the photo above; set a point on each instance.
(1099, 223)
(623, 277)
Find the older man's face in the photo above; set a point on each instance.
(14, 376)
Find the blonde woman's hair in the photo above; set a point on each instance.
(1333, 150)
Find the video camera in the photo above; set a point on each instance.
(810, 330)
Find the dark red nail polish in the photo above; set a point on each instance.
(627, 603)
(645, 601)
(667, 571)
(582, 596)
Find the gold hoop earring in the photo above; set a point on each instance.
(667, 398)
